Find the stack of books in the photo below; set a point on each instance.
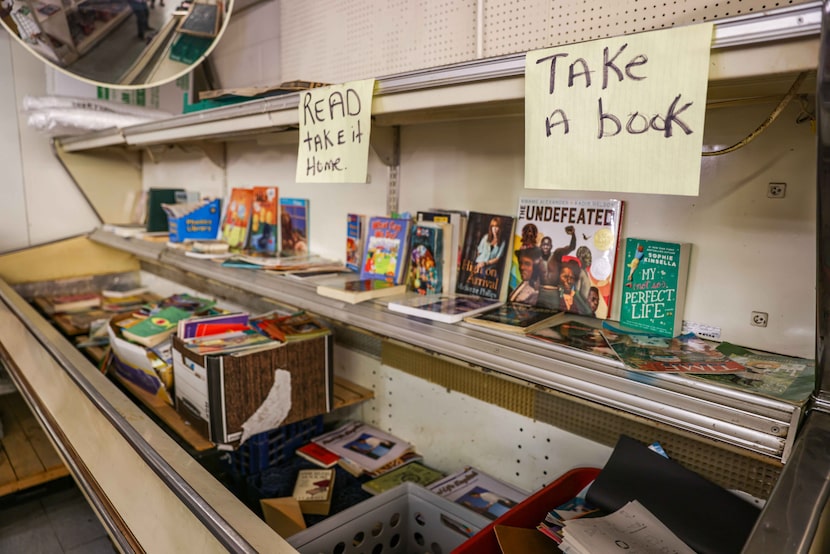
(366, 450)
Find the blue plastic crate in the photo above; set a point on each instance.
(273, 447)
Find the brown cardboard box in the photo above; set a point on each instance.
(283, 515)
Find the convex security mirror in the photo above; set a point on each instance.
(118, 43)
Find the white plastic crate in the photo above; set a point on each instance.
(405, 520)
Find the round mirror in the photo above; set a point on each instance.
(118, 43)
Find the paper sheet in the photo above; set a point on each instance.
(273, 410)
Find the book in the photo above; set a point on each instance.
(430, 258)
(515, 317)
(237, 222)
(318, 455)
(655, 286)
(478, 491)
(564, 254)
(231, 341)
(384, 253)
(682, 354)
(123, 290)
(355, 231)
(579, 335)
(481, 270)
(289, 327)
(313, 490)
(294, 226)
(189, 328)
(414, 472)
(157, 327)
(68, 302)
(365, 445)
(156, 217)
(264, 213)
(79, 322)
(359, 290)
(458, 225)
(444, 308)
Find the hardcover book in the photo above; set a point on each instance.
(564, 252)
(681, 354)
(655, 286)
(318, 455)
(355, 230)
(366, 446)
(514, 317)
(359, 290)
(445, 308)
(294, 226)
(430, 258)
(237, 222)
(264, 230)
(479, 492)
(384, 256)
(414, 472)
(481, 271)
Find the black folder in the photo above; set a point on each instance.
(707, 517)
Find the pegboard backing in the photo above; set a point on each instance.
(333, 42)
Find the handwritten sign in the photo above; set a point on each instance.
(335, 123)
(623, 114)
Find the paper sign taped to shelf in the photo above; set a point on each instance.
(335, 123)
(623, 114)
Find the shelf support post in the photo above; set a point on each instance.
(386, 142)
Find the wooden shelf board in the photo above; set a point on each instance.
(27, 458)
(347, 393)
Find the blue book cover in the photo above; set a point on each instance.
(294, 225)
(384, 256)
(354, 240)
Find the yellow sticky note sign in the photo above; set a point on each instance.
(335, 124)
(623, 114)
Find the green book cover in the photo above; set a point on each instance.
(156, 327)
(413, 472)
(655, 286)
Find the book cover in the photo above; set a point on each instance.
(69, 302)
(123, 290)
(318, 455)
(384, 254)
(367, 446)
(157, 327)
(290, 327)
(355, 227)
(294, 225)
(414, 472)
(682, 354)
(313, 490)
(157, 221)
(478, 491)
(264, 214)
(237, 221)
(579, 335)
(444, 308)
(458, 225)
(564, 253)
(481, 270)
(514, 317)
(655, 286)
(430, 257)
(189, 328)
(359, 290)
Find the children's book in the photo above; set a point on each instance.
(478, 491)
(355, 230)
(414, 472)
(430, 258)
(384, 255)
(294, 226)
(237, 222)
(359, 290)
(231, 341)
(514, 317)
(682, 354)
(157, 327)
(484, 255)
(444, 308)
(564, 252)
(458, 223)
(364, 445)
(655, 286)
(264, 213)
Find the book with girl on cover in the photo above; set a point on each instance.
(484, 255)
(563, 254)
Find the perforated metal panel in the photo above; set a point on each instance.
(333, 41)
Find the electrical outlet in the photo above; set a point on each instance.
(759, 319)
(776, 190)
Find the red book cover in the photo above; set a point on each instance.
(316, 454)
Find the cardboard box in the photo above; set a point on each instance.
(201, 223)
(217, 394)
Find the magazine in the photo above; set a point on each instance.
(683, 354)
(479, 492)
(366, 446)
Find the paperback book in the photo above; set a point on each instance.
(479, 492)
(157, 327)
(294, 226)
(458, 226)
(384, 255)
(414, 472)
(355, 230)
(564, 252)
(430, 258)
(237, 222)
(481, 270)
(514, 317)
(359, 290)
(313, 490)
(366, 446)
(444, 308)
(655, 286)
(264, 230)
(682, 354)
(291, 327)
